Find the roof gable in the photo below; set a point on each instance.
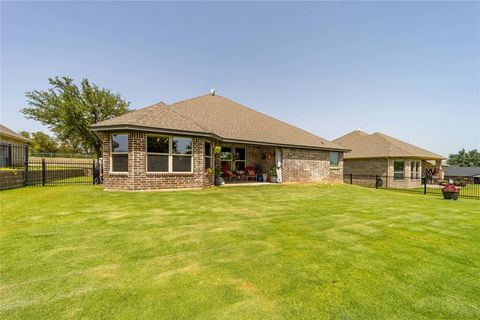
(379, 145)
(233, 121)
(155, 116)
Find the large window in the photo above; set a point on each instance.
(415, 170)
(240, 159)
(158, 154)
(208, 155)
(169, 154)
(334, 159)
(226, 159)
(398, 170)
(119, 153)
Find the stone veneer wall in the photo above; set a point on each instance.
(309, 165)
(137, 177)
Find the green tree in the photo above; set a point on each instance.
(69, 110)
(41, 142)
(25, 134)
(465, 159)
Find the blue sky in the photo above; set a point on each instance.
(410, 70)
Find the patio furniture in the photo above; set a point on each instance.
(250, 173)
(227, 174)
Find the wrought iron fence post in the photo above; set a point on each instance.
(376, 181)
(44, 172)
(94, 174)
(351, 178)
(25, 173)
(9, 152)
(425, 185)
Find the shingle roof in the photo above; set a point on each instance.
(379, 145)
(456, 171)
(155, 116)
(222, 118)
(12, 134)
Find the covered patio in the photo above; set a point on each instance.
(247, 164)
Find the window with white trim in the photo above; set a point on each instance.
(398, 170)
(119, 152)
(415, 170)
(169, 154)
(208, 154)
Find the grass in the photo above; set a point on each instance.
(270, 252)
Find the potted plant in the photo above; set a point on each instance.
(218, 166)
(264, 176)
(450, 191)
(273, 175)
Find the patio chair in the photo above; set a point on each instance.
(226, 174)
(250, 173)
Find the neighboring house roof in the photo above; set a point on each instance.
(219, 117)
(379, 145)
(4, 131)
(456, 171)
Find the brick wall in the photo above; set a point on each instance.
(137, 177)
(309, 165)
(406, 182)
(297, 165)
(11, 179)
(265, 156)
(365, 170)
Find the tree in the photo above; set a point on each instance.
(41, 142)
(69, 110)
(25, 134)
(465, 159)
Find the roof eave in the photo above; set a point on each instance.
(21, 138)
(209, 135)
(400, 157)
(128, 127)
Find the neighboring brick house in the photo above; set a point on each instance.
(172, 146)
(397, 163)
(13, 148)
(468, 174)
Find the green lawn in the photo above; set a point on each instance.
(269, 252)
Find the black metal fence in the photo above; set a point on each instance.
(468, 189)
(52, 173)
(13, 155)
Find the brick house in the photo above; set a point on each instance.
(13, 148)
(172, 146)
(397, 163)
